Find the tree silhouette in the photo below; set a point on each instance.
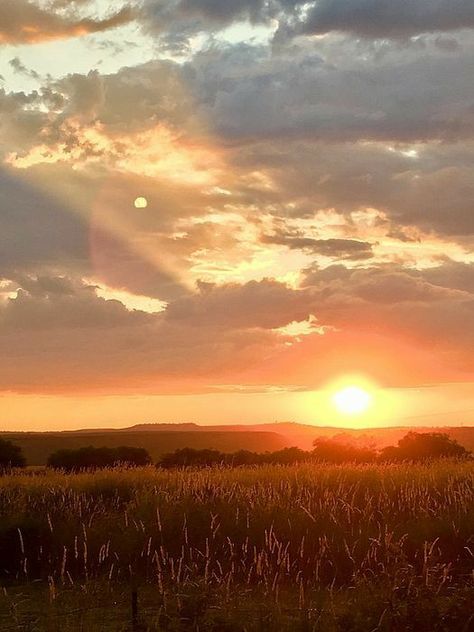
(416, 446)
(332, 451)
(11, 455)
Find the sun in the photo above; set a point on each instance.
(352, 400)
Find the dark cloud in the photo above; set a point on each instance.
(56, 303)
(430, 188)
(58, 219)
(385, 18)
(452, 274)
(265, 304)
(223, 12)
(57, 334)
(243, 93)
(300, 94)
(335, 248)
(20, 68)
(365, 18)
(35, 229)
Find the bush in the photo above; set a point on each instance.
(416, 446)
(97, 458)
(11, 455)
(331, 451)
(189, 457)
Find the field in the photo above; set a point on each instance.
(37, 446)
(311, 547)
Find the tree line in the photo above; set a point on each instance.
(413, 446)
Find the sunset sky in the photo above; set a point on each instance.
(223, 211)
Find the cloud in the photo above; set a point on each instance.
(255, 160)
(334, 248)
(265, 304)
(426, 307)
(384, 18)
(21, 69)
(179, 20)
(223, 12)
(58, 303)
(235, 331)
(428, 186)
(35, 229)
(349, 96)
(23, 21)
(367, 18)
(335, 92)
(59, 220)
(90, 343)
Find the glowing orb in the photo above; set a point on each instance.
(141, 202)
(352, 400)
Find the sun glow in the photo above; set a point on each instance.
(352, 400)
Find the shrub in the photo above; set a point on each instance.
(189, 457)
(96, 458)
(11, 455)
(416, 446)
(331, 451)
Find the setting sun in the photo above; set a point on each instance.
(352, 400)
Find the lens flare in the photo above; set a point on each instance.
(141, 202)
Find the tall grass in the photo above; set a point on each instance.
(275, 531)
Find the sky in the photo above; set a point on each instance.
(224, 212)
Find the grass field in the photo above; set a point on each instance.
(37, 446)
(349, 548)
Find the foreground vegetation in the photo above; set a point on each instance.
(304, 547)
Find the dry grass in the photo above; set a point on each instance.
(306, 539)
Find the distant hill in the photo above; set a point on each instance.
(161, 438)
(303, 435)
(37, 446)
(293, 434)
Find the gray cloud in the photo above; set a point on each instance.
(308, 94)
(366, 18)
(384, 18)
(335, 248)
(263, 304)
(431, 189)
(35, 229)
(56, 303)
(88, 342)
(50, 222)
(338, 93)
